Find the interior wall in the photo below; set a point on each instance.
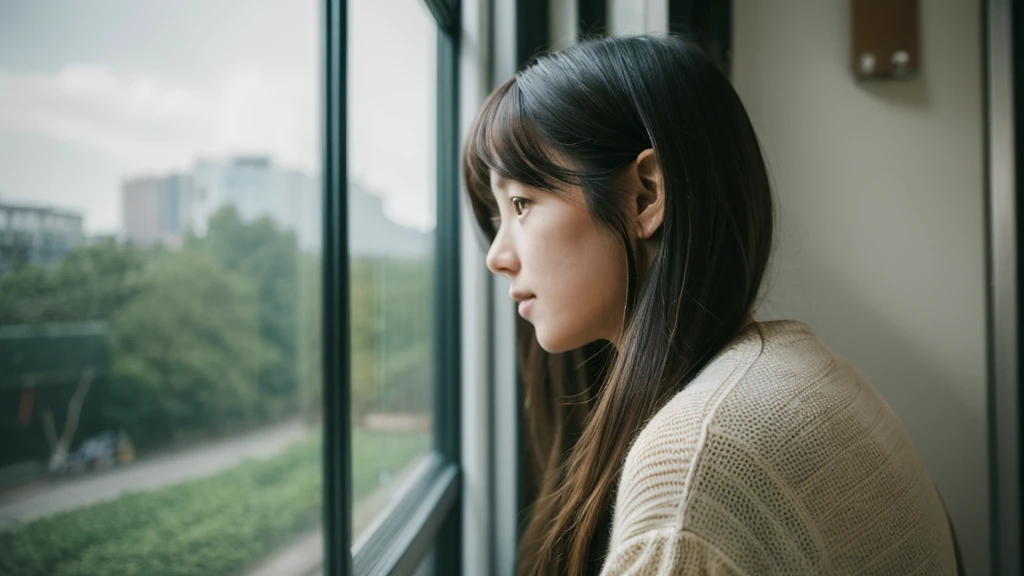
(627, 17)
(881, 230)
(563, 16)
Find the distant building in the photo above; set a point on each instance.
(156, 210)
(257, 188)
(36, 235)
(161, 209)
(370, 233)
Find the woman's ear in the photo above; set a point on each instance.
(650, 197)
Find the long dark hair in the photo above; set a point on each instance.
(578, 117)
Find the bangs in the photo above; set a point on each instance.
(505, 140)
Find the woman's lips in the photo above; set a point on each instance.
(525, 306)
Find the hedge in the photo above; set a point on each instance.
(215, 525)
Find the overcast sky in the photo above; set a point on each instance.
(96, 91)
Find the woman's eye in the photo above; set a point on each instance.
(519, 204)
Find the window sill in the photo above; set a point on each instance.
(404, 532)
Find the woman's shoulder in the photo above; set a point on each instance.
(737, 393)
(779, 457)
(654, 475)
(795, 388)
(759, 367)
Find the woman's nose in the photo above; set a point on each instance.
(501, 256)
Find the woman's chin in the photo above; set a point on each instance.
(549, 344)
(556, 343)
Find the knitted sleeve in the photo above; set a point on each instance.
(790, 464)
(665, 552)
(647, 534)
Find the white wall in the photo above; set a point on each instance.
(476, 418)
(627, 17)
(562, 28)
(881, 232)
(504, 400)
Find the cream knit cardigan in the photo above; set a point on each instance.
(778, 458)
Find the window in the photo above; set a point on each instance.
(160, 368)
(392, 413)
(238, 351)
(392, 187)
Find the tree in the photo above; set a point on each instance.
(392, 307)
(59, 447)
(269, 258)
(200, 339)
(186, 349)
(88, 284)
(310, 348)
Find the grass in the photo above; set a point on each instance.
(216, 525)
(376, 452)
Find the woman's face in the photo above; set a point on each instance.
(567, 273)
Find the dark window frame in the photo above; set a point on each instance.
(709, 23)
(592, 18)
(427, 515)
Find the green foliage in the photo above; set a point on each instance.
(392, 315)
(374, 452)
(227, 329)
(269, 258)
(217, 525)
(202, 338)
(90, 283)
(186, 349)
(310, 352)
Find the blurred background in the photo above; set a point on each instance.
(179, 375)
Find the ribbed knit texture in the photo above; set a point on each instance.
(778, 458)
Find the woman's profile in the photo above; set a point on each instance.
(624, 194)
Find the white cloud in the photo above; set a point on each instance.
(252, 111)
(133, 120)
(152, 126)
(145, 124)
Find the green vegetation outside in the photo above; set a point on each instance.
(217, 525)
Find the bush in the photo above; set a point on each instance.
(217, 525)
(186, 350)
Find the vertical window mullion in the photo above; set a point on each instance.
(447, 266)
(448, 554)
(592, 18)
(533, 18)
(709, 22)
(336, 377)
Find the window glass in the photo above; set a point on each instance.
(160, 370)
(392, 119)
(426, 567)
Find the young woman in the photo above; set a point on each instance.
(624, 195)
